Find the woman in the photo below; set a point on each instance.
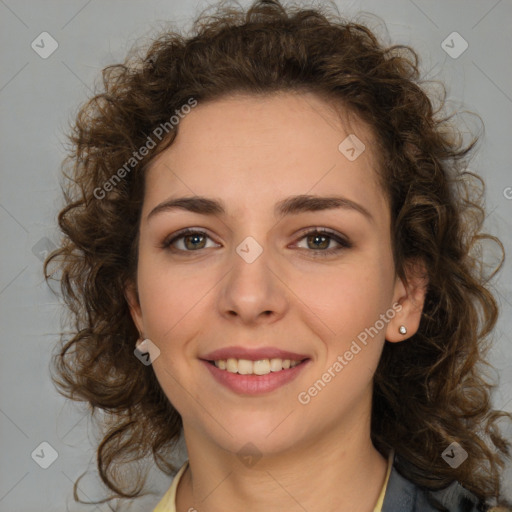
(268, 248)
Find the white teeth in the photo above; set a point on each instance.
(276, 365)
(232, 365)
(245, 367)
(260, 367)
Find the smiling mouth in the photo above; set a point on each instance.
(258, 367)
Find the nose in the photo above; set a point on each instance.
(253, 292)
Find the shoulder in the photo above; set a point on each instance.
(402, 495)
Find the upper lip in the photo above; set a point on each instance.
(252, 354)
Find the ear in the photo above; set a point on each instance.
(410, 297)
(132, 298)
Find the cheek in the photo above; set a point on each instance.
(347, 298)
(349, 303)
(158, 298)
(172, 297)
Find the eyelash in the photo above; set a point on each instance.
(343, 243)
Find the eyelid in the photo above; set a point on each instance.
(342, 240)
(321, 229)
(166, 244)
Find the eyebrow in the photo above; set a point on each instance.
(290, 206)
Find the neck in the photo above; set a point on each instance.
(325, 475)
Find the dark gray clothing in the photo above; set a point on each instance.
(403, 495)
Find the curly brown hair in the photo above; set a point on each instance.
(429, 391)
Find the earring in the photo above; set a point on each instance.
(402, 329)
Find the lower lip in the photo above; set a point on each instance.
(254, 384)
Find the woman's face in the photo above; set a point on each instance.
(270, 273)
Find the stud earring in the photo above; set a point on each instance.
(402, 329)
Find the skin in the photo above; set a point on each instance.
(251, 152)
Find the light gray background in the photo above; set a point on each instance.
(37, 99)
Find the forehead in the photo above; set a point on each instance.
(260, 148)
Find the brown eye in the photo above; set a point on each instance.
(193, 242)
(187, 241)
(320, 240)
